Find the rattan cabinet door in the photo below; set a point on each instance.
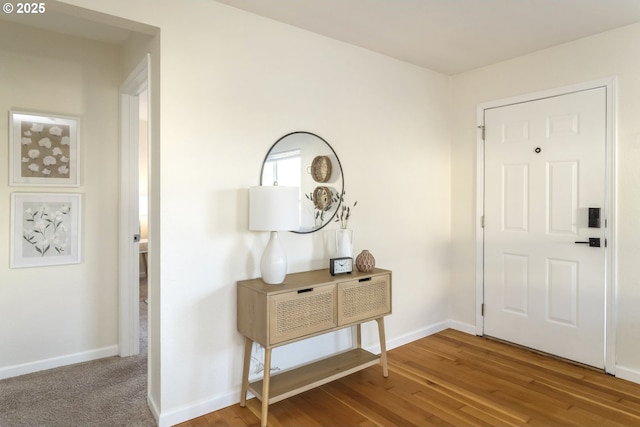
(299, 313)
(364, 299)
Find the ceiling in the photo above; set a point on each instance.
(450, 36)
(60, 22)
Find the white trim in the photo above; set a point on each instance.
(56, 362)
(479, 224)
(410, 337)
(467, 328)
(196, 409)
(628, 374)
(153, 407)
(129, 275)
(610, 231)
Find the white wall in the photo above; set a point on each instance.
(56, 315)
(609, 54)
(248, 82)
(231, 84)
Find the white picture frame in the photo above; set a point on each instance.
(44, 150)
(45, 229)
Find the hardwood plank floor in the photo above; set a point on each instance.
(454, 379)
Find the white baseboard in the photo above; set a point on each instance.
(56, 362)
(197, 409)
(410, 337)
(462, 327)
(153, 407)
(628, 374)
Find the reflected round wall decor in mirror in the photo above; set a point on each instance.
(305, 160)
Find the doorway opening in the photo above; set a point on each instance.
(143, 214)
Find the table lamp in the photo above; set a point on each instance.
(274, 208)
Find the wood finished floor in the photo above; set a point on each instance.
(454, 379)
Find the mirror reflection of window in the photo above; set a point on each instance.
(283, 168)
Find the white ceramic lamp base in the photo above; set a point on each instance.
(273, 265)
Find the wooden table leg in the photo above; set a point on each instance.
(383, 347)
(359, 335)
(265, 387)
(248, 343)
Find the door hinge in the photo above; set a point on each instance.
(482, 221)
(482, 309)
(481, 127)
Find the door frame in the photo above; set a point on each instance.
(129, 270)
(609, 211)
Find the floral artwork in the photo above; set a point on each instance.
(43, 150)
(45, 229)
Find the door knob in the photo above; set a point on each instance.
(594, 242)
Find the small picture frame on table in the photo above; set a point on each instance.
(45, 229)
(43, 150)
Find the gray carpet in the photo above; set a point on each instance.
(106, 392)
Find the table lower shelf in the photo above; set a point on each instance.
(295, 381)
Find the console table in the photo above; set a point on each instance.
(309, 304)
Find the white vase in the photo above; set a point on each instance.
(344, 242)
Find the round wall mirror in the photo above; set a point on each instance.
(304, 160)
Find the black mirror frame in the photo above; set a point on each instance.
(341, 190)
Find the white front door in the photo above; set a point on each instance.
(545, 166)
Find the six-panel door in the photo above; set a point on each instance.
(545, 167)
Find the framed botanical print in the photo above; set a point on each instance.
(43, 150)
(45, 229)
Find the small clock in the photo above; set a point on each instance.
(340, 265)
